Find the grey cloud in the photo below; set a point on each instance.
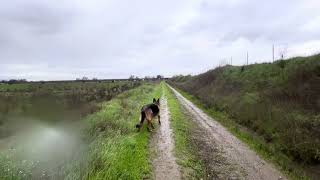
(38, 17)
(109, 39)
(271, 20)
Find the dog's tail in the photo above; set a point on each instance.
(143, 116)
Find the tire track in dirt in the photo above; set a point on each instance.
(162, 143)
(234, 150)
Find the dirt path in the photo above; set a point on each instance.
(164, 162)
(233, 149)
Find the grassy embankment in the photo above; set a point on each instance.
(185, 150)
(118, 151)
(273, 107)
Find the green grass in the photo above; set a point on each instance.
(118, 151)
(255, 142)
(277, 104)
(182, 126)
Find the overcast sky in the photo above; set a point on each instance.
(55, 39)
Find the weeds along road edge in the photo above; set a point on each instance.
(270, 106)
(291, 169)
(237, 152)
(119, 152)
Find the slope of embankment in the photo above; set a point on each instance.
(278, 103)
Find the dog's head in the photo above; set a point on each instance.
(156, 102)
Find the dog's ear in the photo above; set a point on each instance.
(154, 100)
(158, 101)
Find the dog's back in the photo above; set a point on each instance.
(153, 107)
(148, 112)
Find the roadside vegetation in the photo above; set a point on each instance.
(118, 151)
(182, 126)
(274, 107)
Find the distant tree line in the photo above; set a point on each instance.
(85, 79)
(146, 78)
(14, 81)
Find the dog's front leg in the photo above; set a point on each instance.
(148, 126)
(152, 125)
(159, 119)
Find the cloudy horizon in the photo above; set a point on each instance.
(58, 40)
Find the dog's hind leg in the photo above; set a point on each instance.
(143, 116)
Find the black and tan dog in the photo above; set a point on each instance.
(148, 112)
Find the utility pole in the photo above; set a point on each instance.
(272, 52)
(231, 60)
(247, 58)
